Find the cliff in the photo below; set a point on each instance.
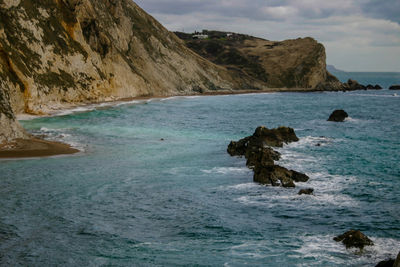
(298, 63)
(60, 53)
(55, 53)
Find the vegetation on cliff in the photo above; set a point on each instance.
(59, 53)
(299, 63)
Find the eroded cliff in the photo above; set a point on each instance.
(54, 53)
(297, 63)
(59, 53)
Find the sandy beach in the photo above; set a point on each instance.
(35, 147)
(28, 148)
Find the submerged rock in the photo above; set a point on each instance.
(307, 191)
(354, 239)
(338, 115)
(395, 87)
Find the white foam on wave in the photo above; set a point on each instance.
(228, 170)
(74, 110)
(296, 160)
(324, 248)
(372, 95)
(251, 249)
(326, 182)
(61, 135)
(245, 186)
(170, 98)
(127, 103)
(350, 119)
(81, 109)
(312, 141)
(328, 192)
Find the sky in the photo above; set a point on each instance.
(359, 35)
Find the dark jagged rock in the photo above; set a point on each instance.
(307, 191)
(397, 262)
(373, 87)
(338, 115)
(354, 85)
(395, 87)
(238, 148)
(276, 175)
(299, 177)
(273, 175)
(261, 138)
(275, 137)
(386, 263)
(354, 239)
(260, 157)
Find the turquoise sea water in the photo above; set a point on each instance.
(384, 79)
(131, 199)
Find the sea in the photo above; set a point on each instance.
(154, 185)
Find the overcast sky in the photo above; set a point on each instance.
(359, 35)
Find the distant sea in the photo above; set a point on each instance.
(384, 79)
(154, 185)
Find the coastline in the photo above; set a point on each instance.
(82, 106)
(33, 148)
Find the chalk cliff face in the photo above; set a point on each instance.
(57, 52)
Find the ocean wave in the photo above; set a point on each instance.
(292, 199)
(371, 95)
(312, 141)
(328, 192)
(170, 98)
(227, 170)
(60, 135)
(245, 186)
(324, 249)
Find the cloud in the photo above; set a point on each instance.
(387, 9)
(358, 34)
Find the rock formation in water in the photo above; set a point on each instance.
(306, 191)
(373, 87)
(260, 157)
(395, 87)
(386, 263)
(338, 116)
(354, 239)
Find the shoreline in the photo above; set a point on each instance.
(84, 107)
(34, 148)
(76, 107)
